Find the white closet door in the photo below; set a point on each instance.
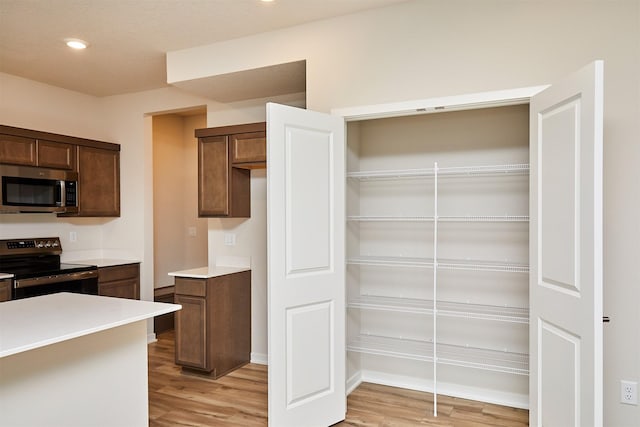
(566, 252)
(306, 258)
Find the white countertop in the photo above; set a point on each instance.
(5, 276)
(208, 272)
(105, 262)
(30, 323)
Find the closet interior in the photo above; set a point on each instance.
(437, 253)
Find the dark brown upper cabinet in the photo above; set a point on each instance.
(98, 182)
(20, 150)
(57, 155)
(249, 150)
(225, 156)
(17, 150)
(97, 164)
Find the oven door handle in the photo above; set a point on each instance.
(56, 278)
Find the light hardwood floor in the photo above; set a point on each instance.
(240, 399)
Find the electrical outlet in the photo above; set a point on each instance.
(191, 231)
(629, 392)
(73, 236)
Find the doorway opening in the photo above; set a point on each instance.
(179, 237)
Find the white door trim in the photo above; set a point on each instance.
(499, 98)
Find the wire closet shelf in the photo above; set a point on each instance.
(463, 356)
(458, 171)
(445, 308)
(434, 351)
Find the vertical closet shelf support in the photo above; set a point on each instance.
(435, 287)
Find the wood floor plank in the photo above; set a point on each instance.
(239, 399)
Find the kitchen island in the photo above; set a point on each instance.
(75, 360)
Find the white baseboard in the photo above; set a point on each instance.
(259, 358)
(513, 400)
(353, 382)
(151, 337)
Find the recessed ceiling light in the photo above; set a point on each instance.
(266, 1)
(76, 43)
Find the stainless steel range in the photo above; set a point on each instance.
(35, 264)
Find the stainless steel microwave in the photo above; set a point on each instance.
(33, 189)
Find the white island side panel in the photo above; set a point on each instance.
(97, 380)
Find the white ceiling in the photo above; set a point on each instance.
(129, 38)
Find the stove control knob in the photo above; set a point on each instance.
(39, 245)
(47, 245)
(55, 244)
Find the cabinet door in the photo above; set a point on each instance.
(17, 150)
(120, 281)
(5, 290)
(249, 149)
(213, 176)
(98, 182)
(120, 289)
(190, 332)
(56, 155)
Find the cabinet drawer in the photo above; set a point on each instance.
(194, 287)
(118, 272)
(249, 148)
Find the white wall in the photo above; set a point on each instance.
(430, 48)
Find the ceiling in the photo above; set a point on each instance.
(129, 38)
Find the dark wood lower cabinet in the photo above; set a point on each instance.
(191, 350)
(164, 322)
(213, 329)
(5, 290)
(120, 281)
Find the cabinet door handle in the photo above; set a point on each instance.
(605, 319)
